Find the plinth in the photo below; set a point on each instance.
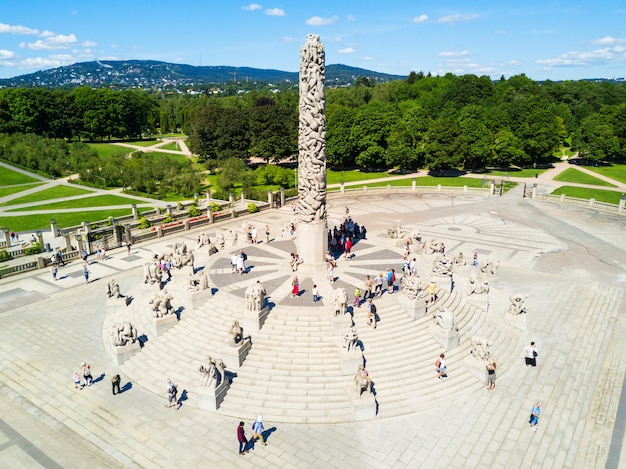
(199, 297)
(364, 407)
(254, 320)
(122, 353)
(414, 308)
(447, 338)
(211, 397)
(234, 356)
(339, 323)
(350, 361)
(161, 325)
(443, 281)
(312, 243)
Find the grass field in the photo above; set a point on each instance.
(616, 171)
(600, 195)
(170, 146)
(143, 143)
(47, 194)
(10, 190)
(106, 149)
(87, 202)
(23, 222)
(514, 172)
(8, 177)
(425, 181)
(337, 177)
(574, 175)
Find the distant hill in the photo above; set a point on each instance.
(150, 74)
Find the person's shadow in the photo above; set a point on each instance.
(183, 397)
(127, 387)
(266, 435)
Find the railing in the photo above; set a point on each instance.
(587, 203)
(18, 268)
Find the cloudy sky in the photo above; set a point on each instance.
(544, 39)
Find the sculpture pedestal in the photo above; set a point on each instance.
(414, 308)
(312, 244)
(124, 352)
(120, 302)
(199, 297)
(339, 323)
(253, 320)
(234, 356)
(363, 408)
(448, 339)
(477, 368)
(350, 361)
(443, 282)
(518, 321)
(480, 301)
(210, 397)
(161, 325)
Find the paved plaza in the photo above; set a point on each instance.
(569, 261)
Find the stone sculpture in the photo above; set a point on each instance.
(182, 260)
(416, 237)
(180, 248)
(203, 240)
(413, 287)
(312, 134)
(394, 231)
(124, 333)
(442, 266)
(458, 259)
(198, 282)
(234, 237)
(221, 242)
(350, 339)
(212, 372)
(481, 348)
(340, 301)
(151, 272)
(235, 334)
(518, 305)
(113, 289)
(162, 304)
(255, 297)
(490, 267)
(362, 381)
(444, 318)
(477, 286)
(432, 247)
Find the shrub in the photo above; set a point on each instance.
(180, 206)
(144, 223)
(4, 256)
(253, 208)
(215, 207)
(194, 211)
(34, 249)
(169, 219)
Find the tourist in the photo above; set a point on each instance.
(86, 372)
(491, 374)
(391, 277)
(315, 293)
(412, 266)
(295, 287)
(60, 259)
(241, 437)
(348, 249)
(378, 284)
(54, 271)
(371, 313)
(115, 384)
(531, 354)
(86, 272)
(363, 232)
(241, 262)
(257, 430)
(233, 263)
(534, 416)
(369, 284)
(172, 391)
(357, 297)
(77, 380)
(254, 234)
(128, 247)
(267, 234)
(442, 369)
(432, 291)
(331, 273)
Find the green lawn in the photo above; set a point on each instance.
(23, 222)
(9, 177)
(600, 195)
(337, 177)
(48, 194)
(172, 156)
(4, 191)
(616, 171)
(514, 172)
(143, 143)
(95, 201)
(574, 175)
(427, 181)
(170, 146)
(106, 150)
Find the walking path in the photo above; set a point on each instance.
(571, 262)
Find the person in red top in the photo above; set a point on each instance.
(241, 437)
(348, 253)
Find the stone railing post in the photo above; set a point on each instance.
(135, 212)
(7, 237)
(414, 185)
(53, 228)
(282, 196)
(342, 188)
(270, 198)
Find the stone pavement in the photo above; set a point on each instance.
(570, 261)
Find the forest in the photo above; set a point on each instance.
(437, 123)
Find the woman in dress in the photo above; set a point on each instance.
(295, 284)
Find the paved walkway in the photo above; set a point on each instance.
(570, 261)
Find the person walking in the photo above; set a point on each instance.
(331, 273)
(295, 287)
(128, 245)
(391, 278)
(530, 353)
(172, 391)
(491, 374)
(115, 384)
(371, 313)
(241, 437)
(348, 249)
(432, 292)
(86, 371)
(315, 293)
(357, 297)
(267, 234)
(257, 430)
(77, 380)
(378, 284)
(442, 368)
(86, 272)
(534, 416)
(369, 284)
(54, 270)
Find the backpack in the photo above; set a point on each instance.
(244, 256)
(373, 308)
(393, 277)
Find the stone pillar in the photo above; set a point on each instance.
(128, 236)
(231, 198)
(159, 231)
(270, 198)
(68, 242)
(414, 185)
(53, 228)
(168, 210)
(282, 196)
(210, 214)
(492, 187)
(311, 236)
(622, 202)
(195, 197)
(7, 237)
(135, 212)
(534, 192)
(86, 227)
(39, 235)
(342, 188)
(208, 198)
(243, 198)
(80, 239)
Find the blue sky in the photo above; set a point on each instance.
(544, 39)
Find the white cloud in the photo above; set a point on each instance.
(18, 29)
(451, 19)
(350, 18)
(252, 7)
(453, 54)
(62, 39)
(59, 41)
(41, 63)
(578, 58)
(287, 40)
(319, 21)
(607, 41)
(6, 54)
(420, 19)
(368, 58)
(347, 50)
(89, 44)
(275, 12)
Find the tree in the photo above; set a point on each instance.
(595, 139)
(273, 131)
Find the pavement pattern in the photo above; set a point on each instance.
(570, 261)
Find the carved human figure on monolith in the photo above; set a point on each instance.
(350, 339)
(235, 334)
(518, 305)
(362, 381)
(124, 333)
(340, 301)
(255, 297)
